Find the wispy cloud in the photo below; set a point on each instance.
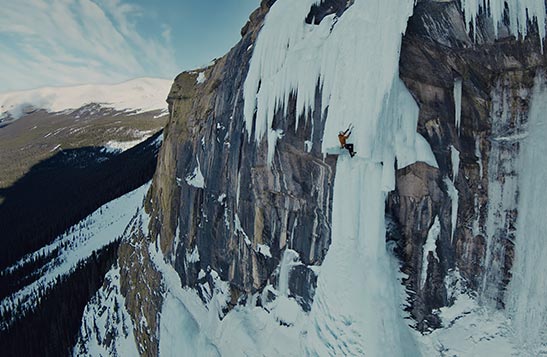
(63, 42)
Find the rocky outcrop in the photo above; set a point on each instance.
(140, 284)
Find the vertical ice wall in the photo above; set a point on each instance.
(507, 128)
(519, 11)
(527, 292)
(354, 60)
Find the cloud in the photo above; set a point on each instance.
(65, 42)
(166, 34)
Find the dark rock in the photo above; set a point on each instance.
(325, 8)
(302, 284)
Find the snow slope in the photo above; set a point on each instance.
(140, 95)
(105, 317)
(471, 331)
(99, 229)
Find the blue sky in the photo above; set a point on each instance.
(66, 42)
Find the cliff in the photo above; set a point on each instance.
(245, 212)
(474, 93)
(242, 205)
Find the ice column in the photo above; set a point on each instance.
(527, 291)
(458, 103)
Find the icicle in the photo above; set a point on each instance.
(289, 260)
(454, 197)
(291, 56)
(455, 158)
(458, 103)
(520, 12)
(479, 156)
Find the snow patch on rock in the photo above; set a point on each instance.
(196, 178)
(201, 78)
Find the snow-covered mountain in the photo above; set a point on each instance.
(260, 236)
(138, 95)
(36, 124)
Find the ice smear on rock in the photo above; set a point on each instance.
(502, 191)
(196, 178)
(430, 246)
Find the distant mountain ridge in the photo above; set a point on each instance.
(139, 95)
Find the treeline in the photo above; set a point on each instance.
(59, 192)
(51, 328)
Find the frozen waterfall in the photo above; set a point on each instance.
(354, 60)
(527, 292)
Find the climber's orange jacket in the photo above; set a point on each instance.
(342, 136)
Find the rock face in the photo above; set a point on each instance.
(241, 213)
(496, 77)
(218, 207)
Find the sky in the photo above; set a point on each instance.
(69, 42)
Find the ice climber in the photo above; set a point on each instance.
(343, 136)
